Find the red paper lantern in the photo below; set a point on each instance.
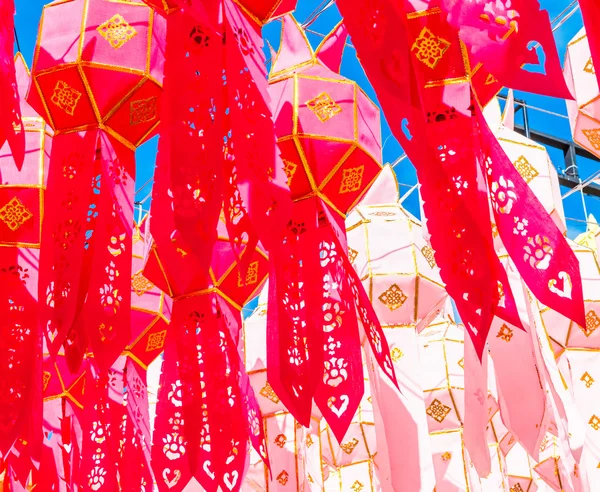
(203, 381)
(329, 135)
(97, 77)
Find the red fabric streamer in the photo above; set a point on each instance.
(511, 41)
(437, 86)
(590, 11)
(329, 138)
(11, 124)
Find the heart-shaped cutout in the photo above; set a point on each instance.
(339, 411)
(567, 286)
(171, 477)
(230, 479)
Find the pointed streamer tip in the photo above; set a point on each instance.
(331, 49)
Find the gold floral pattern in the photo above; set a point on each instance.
(356, 486)
(117, 31)
(14, 214)
(437, 410)
(393, 298)
(587, 379)
(589, 66)
(429, 48)
(156, 341)
(351, 179)
(592, 322)
(283, 477)
(505, 333)
(526, 170)
(46, 379)
(349, 446)
(267, 392)
(251, 275)
(593, 137)
(594, 422)
(65, 97)
(290, 169)
(142, 111)
(427, 252)
(140, 284)
(396, 354)
(323, 107)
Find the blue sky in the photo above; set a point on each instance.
(27, 19)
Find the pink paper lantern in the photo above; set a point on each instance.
(328, 129)
(584, 111)
(396, 265)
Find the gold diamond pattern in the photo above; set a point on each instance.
(437, 410)
(142, 111)
(140, 284)
(393, 298)
(117, 31)
(447, 456)
(251, 275)
(65, 97)
(592, 322)
(594, 422)
(461, 363)
(427, 252)
(156, 341)
(323, 107)
(516, 488)
(589, 66)
(290, 169)
(505, 333)
(309, 441)
(268, 393)
(593, 137)
(396, 354)
(351, 179)
(587, 379)
(526, 170)
(429, 48)
(14, 214)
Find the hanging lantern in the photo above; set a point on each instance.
(584, 111)
(393, 260)
(21, 214)
(211, 391)
(443, 381)
(97, 77)
(329, 136)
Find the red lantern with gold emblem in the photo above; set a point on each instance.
(97, 76)
(206, 409)
(329, 136)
